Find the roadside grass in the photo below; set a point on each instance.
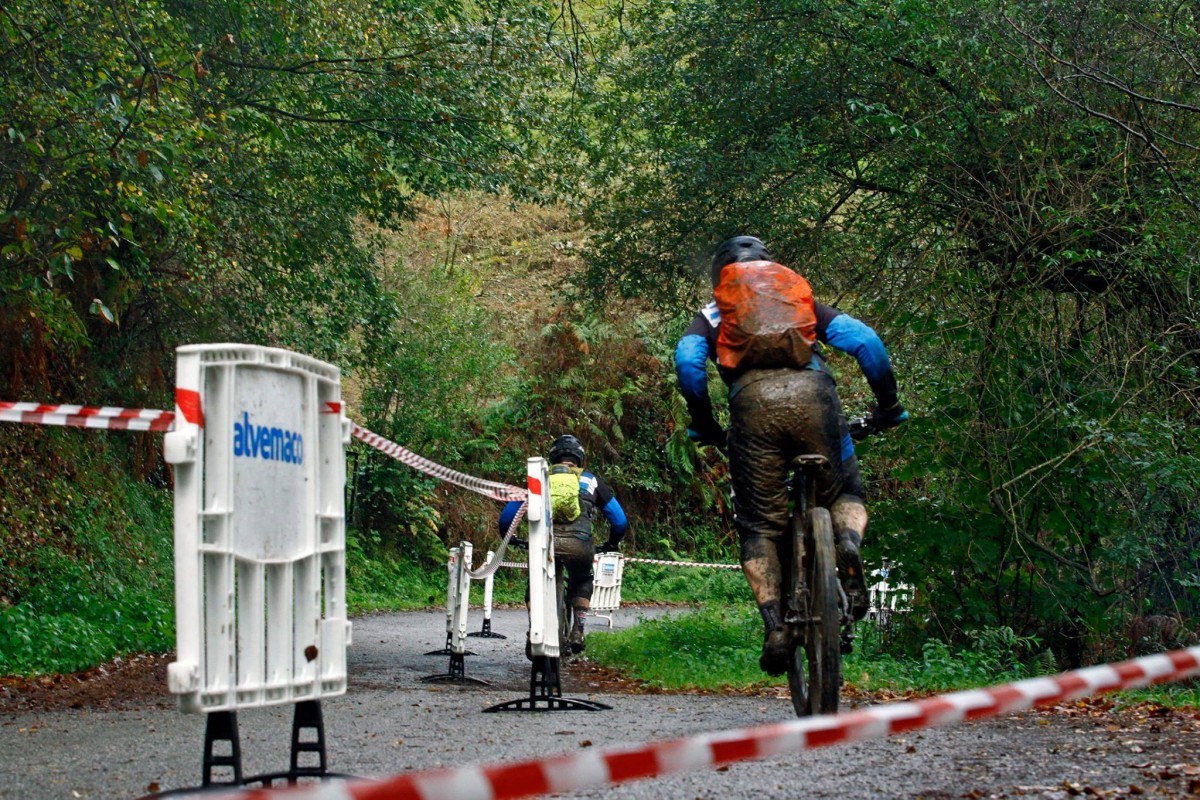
(86, 554)
(716, 647)
(375, 583)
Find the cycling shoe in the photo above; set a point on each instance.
(776, 650)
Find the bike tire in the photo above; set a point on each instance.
(798, 662)
(822, 643)
(566, 617)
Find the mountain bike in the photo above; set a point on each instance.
(818, 614)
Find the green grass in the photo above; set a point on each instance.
(708, 649)
(87, 557)
(658, 583)
(717, 647)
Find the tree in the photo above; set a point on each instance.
(1006, 190)
(175, 172)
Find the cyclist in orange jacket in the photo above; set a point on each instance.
(775, 415)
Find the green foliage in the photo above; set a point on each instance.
(1012, 205)
(198, 172)
(85, 555)
(656, 583)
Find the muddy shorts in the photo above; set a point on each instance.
(776, 415)
(576, 556)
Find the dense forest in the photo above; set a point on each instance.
(495, 217)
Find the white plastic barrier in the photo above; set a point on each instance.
(488, 588)
(543, 608)
(461, 581)
(608, 569)
(451, 591)
(885, 599)
(259, 456)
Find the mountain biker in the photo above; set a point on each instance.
(775, 415)
(573, 543)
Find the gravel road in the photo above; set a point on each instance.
(389, 721)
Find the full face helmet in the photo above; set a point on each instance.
(737, 249)
(567, 448)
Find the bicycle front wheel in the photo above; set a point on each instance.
(797, 590)
(822, 641)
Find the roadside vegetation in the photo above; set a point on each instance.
(716, 649)
(492, 216)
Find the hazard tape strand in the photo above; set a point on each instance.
(492, 489)
(108, 417)
(145, 419)
(682, 563)
(593, 769)
(497, 560)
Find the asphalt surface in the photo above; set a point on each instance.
(391, 721)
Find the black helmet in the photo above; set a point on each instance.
(566, 448)
(739, 248)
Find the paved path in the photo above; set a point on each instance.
(389, 721)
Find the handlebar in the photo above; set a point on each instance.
(861, 428)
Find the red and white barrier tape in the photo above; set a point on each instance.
(497, 560)
(681, 563)
(591, 769)
(492, 489)
(110, 417)
(144, 419)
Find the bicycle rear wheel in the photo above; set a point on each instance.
(566, 615)
(822, 641)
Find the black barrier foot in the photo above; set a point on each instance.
(545, 692)
(446, 651)
(486, 633)
(221, 726)
(307, 716)
(457, 673)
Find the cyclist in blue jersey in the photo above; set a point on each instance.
(573, 544)
(775, 415)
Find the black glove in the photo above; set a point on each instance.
(608, 547)
(709, 436)
(517, 541)
(890, 417)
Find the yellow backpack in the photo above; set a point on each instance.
(564, 492)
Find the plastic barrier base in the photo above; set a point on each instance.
(456, 674)
(545, 692)
(446, 651)
(487, 633)
(222, 727)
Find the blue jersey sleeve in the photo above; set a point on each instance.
(507, 513)
(617, 521)
(691, 368)
(859, 340)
